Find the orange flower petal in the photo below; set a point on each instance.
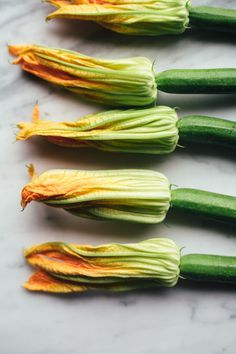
(42, 281)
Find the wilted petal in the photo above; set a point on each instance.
(153, 130)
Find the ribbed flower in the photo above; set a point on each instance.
(67, 268)
(127, 82)
(152, 130)
(136, 17)
(133, 195)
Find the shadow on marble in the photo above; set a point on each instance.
(62, 223)
(101, 230)
(206, 286)
(130, 298)
(92, 32)
(39, 147)
(211, 37)
(201, 151)
(125, 298)
(177, 218)
(195, 104)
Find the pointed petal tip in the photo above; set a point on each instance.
(15, 50)
(48, 18)
(26, 195)
(11, 49)
(31, 170)
(23, 202)
(36, 113)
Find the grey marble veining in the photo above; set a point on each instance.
(186, 319)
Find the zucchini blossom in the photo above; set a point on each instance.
(151, 131)
(120, 82)
(133, 17)
(132, 195)
(66, 268)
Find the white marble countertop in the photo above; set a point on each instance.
(184, 319)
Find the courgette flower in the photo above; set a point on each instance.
(152, 130)
(65, 268)
(135, 17)
(123, 82)
(126, 82)
(133, 195)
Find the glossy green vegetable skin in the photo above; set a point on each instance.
(204, 267)
(201, 81)
(211, 18)
(207, 130)
(212, 205)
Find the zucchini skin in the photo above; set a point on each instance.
(207, 130)
(214, 206)
(210, 268)
(213, 18)
(200, 81)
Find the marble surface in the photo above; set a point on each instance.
(186, 319)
